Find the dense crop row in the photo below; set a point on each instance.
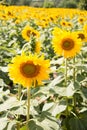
(43, 68)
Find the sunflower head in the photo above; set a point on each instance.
(29, 32)
(67, 44)
(63, 23)
(81, 20)
(26, 33)
(82, 35)
(28, 70)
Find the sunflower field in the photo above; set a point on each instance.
(43, 68)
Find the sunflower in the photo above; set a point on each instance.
(63, 23)
(82, 35)
(26, 33)
(67, 44)
(69, 24)
(38, 47)
(81, 20)
(35, 46)
(29, 32)
(85, 28)
(57, 31)
(29, 70)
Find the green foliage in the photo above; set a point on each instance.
(83, 4)
(71, 4)
(48, 4)
(53, 106)
(68, 4)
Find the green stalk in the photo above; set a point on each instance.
(66, 85)
(28, 106)
(44, 4)
(74, 81)
(74, 70)
(19, 96)
(19, 92)
(66, 72)
(18, 126)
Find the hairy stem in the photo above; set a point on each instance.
(28, 106)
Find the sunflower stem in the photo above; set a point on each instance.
(19, 96)
(74, 80)
(74, 70)
(28, 106)
(66, 85)
(67, 113)
(18, 126)
(65, 72)
(19, 92)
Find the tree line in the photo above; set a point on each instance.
(82, 4)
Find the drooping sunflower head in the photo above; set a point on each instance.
(28, 70)
(82, 35)
(67, 44)
(26, 32)
(29, 32)
(35, 33)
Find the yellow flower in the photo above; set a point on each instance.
(29, 70)
(82, 35)
(28, 31)
(81, 20)
(35, 46)
(57, 31)
(85, 28)
(67, 44)
(63, 23)
(38, 47)
(69, 25)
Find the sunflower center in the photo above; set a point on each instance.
(81, 20)
(67, 44)
(29, 70)
(64, 23)
(28, 33)
(33, 33)
(80, 35)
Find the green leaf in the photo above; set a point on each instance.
(82, 67)
(56, 81)
(57, 108)
(3, 93)
(11, 125)
(33, 125)
(45, 124)
(5, 77)
(10, 103)
(23, 128)
(47, 106)
(80, 77)
(19, 111)
(3, 123)
(76, 124)
(65, 91)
